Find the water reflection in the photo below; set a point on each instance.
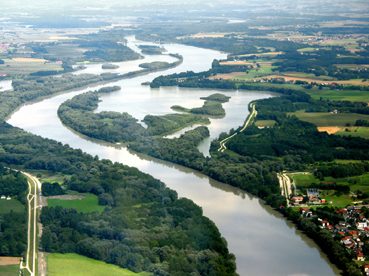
(262, 240)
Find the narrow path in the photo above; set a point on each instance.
(247, 123)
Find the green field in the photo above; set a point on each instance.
(342, 161)
(355, 183)
(303, 179)
(308, 76)
(358, 132)
(342, 95)
(77, 265)
(341, 201)
(85, 205)
(7, 205)
(269, 123)
(9, 270)
(256, 74)
(307, 49)
(25, 67)
(323, 119)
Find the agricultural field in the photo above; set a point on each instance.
(9, 270)
(303, 179)
(322, 119)
(307, 49)
(6, 206)
(267, 123)
(339, 95)
(61, 51)
(23, 66)
(263, 71)
(354, 132)
(77, 265)
(85, 203)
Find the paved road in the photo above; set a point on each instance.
(30, 261)
(247, 123)
(285, 185)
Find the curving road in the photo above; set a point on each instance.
(247, 123)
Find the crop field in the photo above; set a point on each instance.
(309, 77)
(340, 95)
(232, 75)
(307, 49)
(86, 204)
(262, 54)
(263, 70)
(354, 132)
(303, 179)
(210, 35)
(265, 123)
(25, 66)
(339, 201)
(11, 205)
(322, 119)
(77, 265)
(65, 50)
(9, 270)
(301, 77)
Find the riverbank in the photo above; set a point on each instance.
(249, 217)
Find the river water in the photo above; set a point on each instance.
(262, 240)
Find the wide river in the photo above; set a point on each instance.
(262, 240)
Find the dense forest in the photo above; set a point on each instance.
(13, 225)
(262, 153)
(144, 227)
(115, 127)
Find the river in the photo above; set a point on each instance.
(262, 240)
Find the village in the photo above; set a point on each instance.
(348, 225)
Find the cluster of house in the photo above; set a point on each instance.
(317, 39)
(5, 197)
(4, 46)
(352, 239)
(312, 197)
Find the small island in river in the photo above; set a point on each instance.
(212, 106)
(109, 66)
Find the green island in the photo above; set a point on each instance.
(151, 49)
(305, 152)
(116, 127)
(155, 65)
(109, 66)
(212, 106)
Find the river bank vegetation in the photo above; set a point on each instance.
(212, 106)
(142, 221)
(317, 63)
(13, 215)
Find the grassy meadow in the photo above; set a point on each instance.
(323, 119)
(362, 132)
(9, 270)
(87, 204)
(26, 66)
(339, 95)
(355, 183)
(8, 205)
(77, 265)
(268, 123)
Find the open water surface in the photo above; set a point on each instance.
(262, 240)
